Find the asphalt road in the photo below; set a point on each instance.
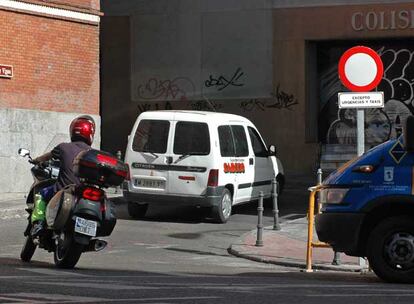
(175, 256)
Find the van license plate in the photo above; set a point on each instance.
(85, 226)
(149, 183)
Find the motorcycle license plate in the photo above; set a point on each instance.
(86, 227)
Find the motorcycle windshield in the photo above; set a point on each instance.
(56, 140)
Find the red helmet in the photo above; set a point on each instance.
(82, 128)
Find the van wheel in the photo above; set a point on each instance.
(390, 249)
(137, 211)
(221, 213)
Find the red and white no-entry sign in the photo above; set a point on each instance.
(360, 69)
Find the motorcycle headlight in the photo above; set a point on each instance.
(332, 195)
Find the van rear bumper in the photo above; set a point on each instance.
(340, 230)
(210, 199)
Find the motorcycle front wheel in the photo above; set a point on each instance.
(28, 249)
(67, 252)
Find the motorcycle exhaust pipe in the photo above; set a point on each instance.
(95, 245)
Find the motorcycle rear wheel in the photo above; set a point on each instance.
(67, 252)
(28, 249)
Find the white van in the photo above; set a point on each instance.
(205, 159)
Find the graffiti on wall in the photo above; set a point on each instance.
(380, 124)
(154, 107)
(222, 82)
(283, 100)
(278, 100)
(253, 105)
(179, 88)
(205, 105)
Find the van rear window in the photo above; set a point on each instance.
(151, 136)
(191, 138)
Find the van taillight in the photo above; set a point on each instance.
(213, 178)
(128, 174)
(93, 194)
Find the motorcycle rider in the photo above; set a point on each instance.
(82, 131)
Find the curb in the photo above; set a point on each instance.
(302, 266)
(238, 249)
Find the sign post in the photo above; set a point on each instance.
(360, 70)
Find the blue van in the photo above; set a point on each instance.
(367, 208)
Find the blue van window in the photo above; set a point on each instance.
(191, 138)
(151, 136)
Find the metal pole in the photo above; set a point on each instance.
(360, 151)
(276, 225)
(337, 258)
(360, 132)
(119, 156)
(259, 241)
(319, 177)
(310, 231)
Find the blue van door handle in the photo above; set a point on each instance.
(251, 162)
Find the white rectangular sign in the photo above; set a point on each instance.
(361, 100)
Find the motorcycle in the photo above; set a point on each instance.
(78, 214)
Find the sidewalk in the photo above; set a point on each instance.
(287, 247)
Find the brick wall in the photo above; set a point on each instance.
(55, 62)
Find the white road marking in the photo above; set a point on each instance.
(26, 297)
(52, 272)
(58, 298)
(361, 295)
(95, 285)
(115, 251)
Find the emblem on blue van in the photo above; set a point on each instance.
(398, 152)
(388, 174)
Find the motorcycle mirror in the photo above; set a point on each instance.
(23, 152)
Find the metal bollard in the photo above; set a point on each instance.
(119, 156)
(337, 258)
(276, 225)
(319, 177)
(259, 240)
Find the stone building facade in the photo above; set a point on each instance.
(272, 61)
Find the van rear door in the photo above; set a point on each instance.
(191, 147)
(149, 152)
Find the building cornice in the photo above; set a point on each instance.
(51, 10)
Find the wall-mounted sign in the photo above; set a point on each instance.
(383, 20)
(6, 71)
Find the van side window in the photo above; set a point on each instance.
(191, 138)
(151, 136)
(259, 148)
(226, 141)
(240, 141)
